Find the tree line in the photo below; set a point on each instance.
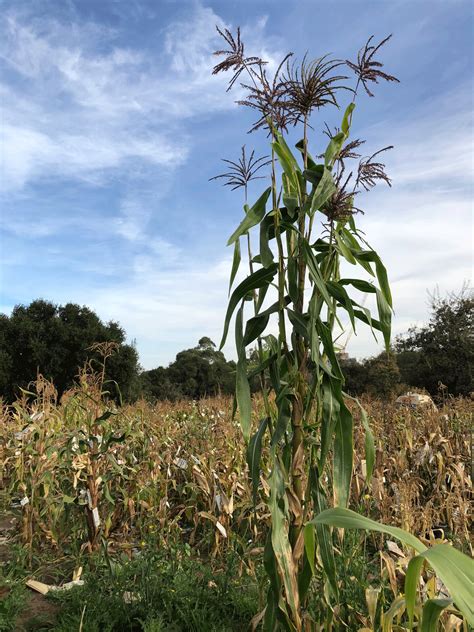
(57, 340)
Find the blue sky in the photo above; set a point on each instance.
(111, 125)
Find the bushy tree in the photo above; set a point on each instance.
(198, 372)
(442, 352)
(56, 340)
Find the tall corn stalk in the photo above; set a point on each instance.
(307, 228)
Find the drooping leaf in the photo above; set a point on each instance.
(338, 291)
(326, 549)
(330, 410)
(385, 318)
(259, 279)
(359, 284)
(333, 149)
(455, 569)
(257, 324)
(266, 254)
(314, 174)
(381, 272)
(343, 455)
(254, 454)
(235, 263)
(369, 440)
(242, 386)
(253, 217)
(347, 119)
(344, 250)
(281, 544)
(412, 578)
(314, 271)
(348, 519)
(326, 187)
(431, 613)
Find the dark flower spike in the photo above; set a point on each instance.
(311, 85)
(366, 68)
(234, 58)
(369, 172)
(340, 205)
(268, 98)
(241, 172)
(348, 151)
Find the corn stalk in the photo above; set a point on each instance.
(310, 430)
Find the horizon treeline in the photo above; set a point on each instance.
(57, 341)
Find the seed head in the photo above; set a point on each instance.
(243, 170)
(234, 59)
(366, 68)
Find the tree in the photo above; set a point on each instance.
(443, 350)
(355, 374)
(382, 375)
(198, 372)
(56, 341)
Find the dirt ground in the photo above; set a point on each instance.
(36, 611)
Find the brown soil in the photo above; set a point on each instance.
(38, 612)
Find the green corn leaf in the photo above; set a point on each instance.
(456, 571)
(431, 613)
(385, 317)
(300, 322)
(310, 160)
(326, 549)
(343, 455)
(339, 293)
(344, 250)
(253, 217)
(291, 203)
(310, 545)
(359, 284)
(281, 545)
(326, 187)
(328, 345)
(266, 254)
(397, 607)
(255, 327)
(257, 324)
(369, 440)
(288, 162)
(254, 454)
(314, 271)
(235, 263)
(348, 519)
(412, 578)
(314, 174)
(333, 149)
(283, 418)
(330, 411)
(259, 279)
(365, 316)
(347, 119)
(380, 270)
(242, 386)
(292, 269)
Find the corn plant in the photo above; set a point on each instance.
(306, 235)
(307, 239)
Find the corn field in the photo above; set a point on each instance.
(80, 474)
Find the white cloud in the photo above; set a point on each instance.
(81, 106)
